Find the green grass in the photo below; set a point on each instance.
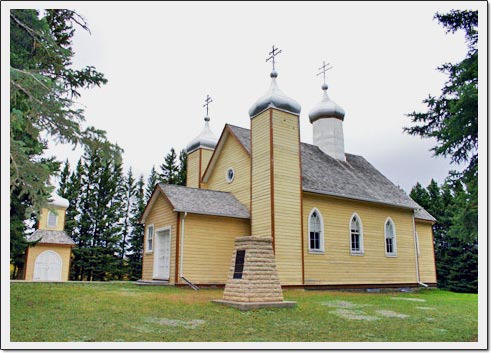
(126, 312)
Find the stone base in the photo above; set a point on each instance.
(258, 281)
(244, 306)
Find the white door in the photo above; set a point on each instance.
(47, 266)
(161, 262)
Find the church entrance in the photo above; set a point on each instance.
(161, 266)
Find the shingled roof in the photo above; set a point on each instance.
(203, 201)
(355, 179)
(45, 236)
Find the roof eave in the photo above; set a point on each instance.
(357, 198)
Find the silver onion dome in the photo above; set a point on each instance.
(326, 108)
(206, 139)
(274, 98)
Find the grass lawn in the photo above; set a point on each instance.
(61, 312)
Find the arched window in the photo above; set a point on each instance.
(356, 235)
(52, 219)
(316, 232)
(390, 238)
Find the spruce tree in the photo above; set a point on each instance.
(135, 251)
(169, 169)
(181, 173)
(151, 182)
(129, 190)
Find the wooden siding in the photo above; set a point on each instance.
(205, 159)
(63, 250)
(337, 266)
(232, 155)
(287, 197)
(192, 173)
(261, 225)
(209, 246)
(427, 270)
(43, 218)
(161, 215)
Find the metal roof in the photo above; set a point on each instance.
(275, 98)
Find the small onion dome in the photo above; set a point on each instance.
(206, 139)
(58, 201)
(274, 98)
(326, 108)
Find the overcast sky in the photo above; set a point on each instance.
(162, 59)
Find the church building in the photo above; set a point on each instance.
(333, 220)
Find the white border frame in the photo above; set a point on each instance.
(362, 247)
(394, 240)
(155, 243)
(322, 248)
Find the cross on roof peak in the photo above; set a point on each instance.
(208, 100)
(272, 55)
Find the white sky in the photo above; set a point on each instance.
(161, 59)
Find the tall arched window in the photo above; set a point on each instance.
(390, 238)
(316, 232)
(356, 235)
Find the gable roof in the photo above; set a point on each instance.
(355, 179)
(198, 201)
(45, 236)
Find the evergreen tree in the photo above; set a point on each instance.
(42, 88)
(64, 176)
(182, 171)
(98, 230)
(135, 256)
(169, 169)
(151, 182)
(129, 190)
(456, 259)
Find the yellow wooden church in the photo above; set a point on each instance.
(334, 220)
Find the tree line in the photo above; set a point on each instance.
(105, 207)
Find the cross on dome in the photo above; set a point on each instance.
(208, 100)
(272, 55)
(323, 70)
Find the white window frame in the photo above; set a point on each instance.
(152, 238)
(48, 224)
(362, 248)
(229, 180)
(394, 241)
(321, 233)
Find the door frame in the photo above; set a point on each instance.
(156, 245)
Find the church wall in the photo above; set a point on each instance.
(43, 218)
(232, 155)
(287, 197)
(63, 250)
(427, 269)
(192, 173)
(337, 266)
(209, 246)
(161, 215)
(261, 218)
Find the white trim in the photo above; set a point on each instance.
(227, 179)
(394, 239)
(155, 241)
(321, 236)
(146, 239)
(48, 225)
(362, 248)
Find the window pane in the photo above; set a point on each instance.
(52, 219)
